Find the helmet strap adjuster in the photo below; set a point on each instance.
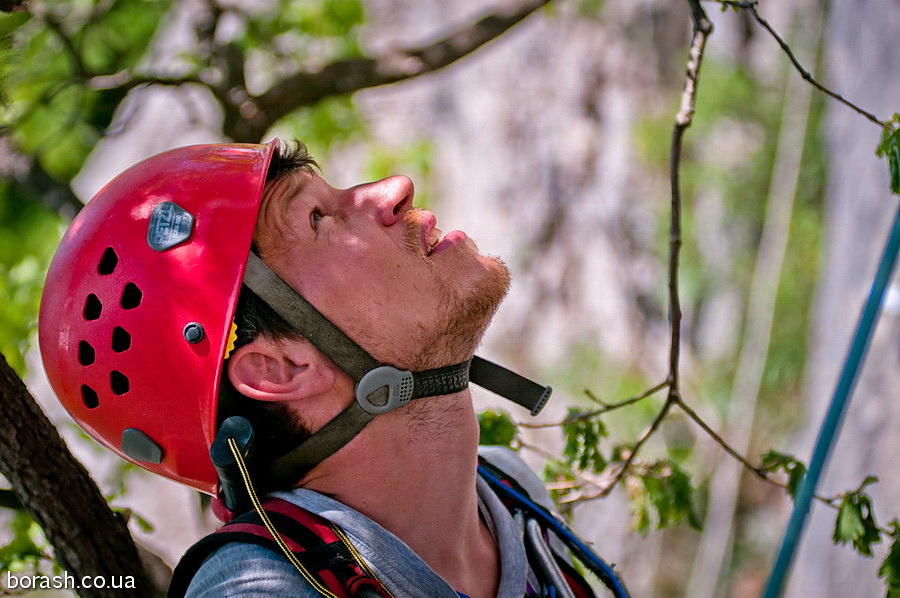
(380, 388)
(371, 387)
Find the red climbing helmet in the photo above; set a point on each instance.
(139, 301)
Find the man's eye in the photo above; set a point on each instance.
(314, 218)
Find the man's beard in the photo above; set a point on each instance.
(466, 311)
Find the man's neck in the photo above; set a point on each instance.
(414, 472)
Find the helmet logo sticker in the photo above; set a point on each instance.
(170, 224)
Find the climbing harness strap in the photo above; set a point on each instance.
(328, 561)
(317, 549)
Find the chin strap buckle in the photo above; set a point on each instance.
(383, 389)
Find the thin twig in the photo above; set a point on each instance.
(751, 6)
(55, 26)
(702, 28)
(721, 441)
(583, 478)
(607, 407)
(636, 448)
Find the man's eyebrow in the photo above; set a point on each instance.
(285, 189)
(278, 195)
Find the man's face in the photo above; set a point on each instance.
(369, 261)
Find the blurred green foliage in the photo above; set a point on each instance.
(496, 427)
(322, 31)
(890, 148)
(52, 108)
(663, 495)
(890, 567)
(327, 125)
(582, 435)
(27, 548)
(28, 236)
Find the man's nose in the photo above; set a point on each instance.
(390, 197)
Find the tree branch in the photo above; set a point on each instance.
(348, 76)
(702, 27)
(74, 55)
(751, 7)
(636, 448)
(88, 539)
(607, 407)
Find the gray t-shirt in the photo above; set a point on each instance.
(246, 570)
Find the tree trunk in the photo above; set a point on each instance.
(88, 538)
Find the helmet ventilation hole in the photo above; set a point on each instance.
(85, 353)
(89, 396)
(92, 307)
(121, 340)
(119, 382)
(131, 296)
(108, 262)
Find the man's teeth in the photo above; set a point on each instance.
(434, 237)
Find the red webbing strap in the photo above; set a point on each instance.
(311, 538)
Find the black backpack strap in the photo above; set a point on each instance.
(318, 545)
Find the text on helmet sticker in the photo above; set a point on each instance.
(170, 224)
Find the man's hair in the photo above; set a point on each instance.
(277, 429)
(289, 158)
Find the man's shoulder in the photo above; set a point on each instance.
(247, 570)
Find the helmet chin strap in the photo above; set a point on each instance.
(379, 388)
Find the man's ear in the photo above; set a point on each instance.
(283, 370)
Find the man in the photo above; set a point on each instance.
(346, 353)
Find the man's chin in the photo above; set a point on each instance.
(468, 315)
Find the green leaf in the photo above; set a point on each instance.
(665, 491)
(555, 473)
(890, 148)
(856, 523)
(497, 428)
(890, 567)
(583, 435)
(796, 471)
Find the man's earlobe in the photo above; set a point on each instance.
(286, 370)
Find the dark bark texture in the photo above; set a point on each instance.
(88, 538)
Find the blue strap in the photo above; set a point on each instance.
(579, 549)
(832, 421)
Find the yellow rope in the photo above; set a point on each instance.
(358, 557)
(269, 526)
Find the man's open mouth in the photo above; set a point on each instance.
(432, 240)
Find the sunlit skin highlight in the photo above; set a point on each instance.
(367, 259)
(359, 256)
